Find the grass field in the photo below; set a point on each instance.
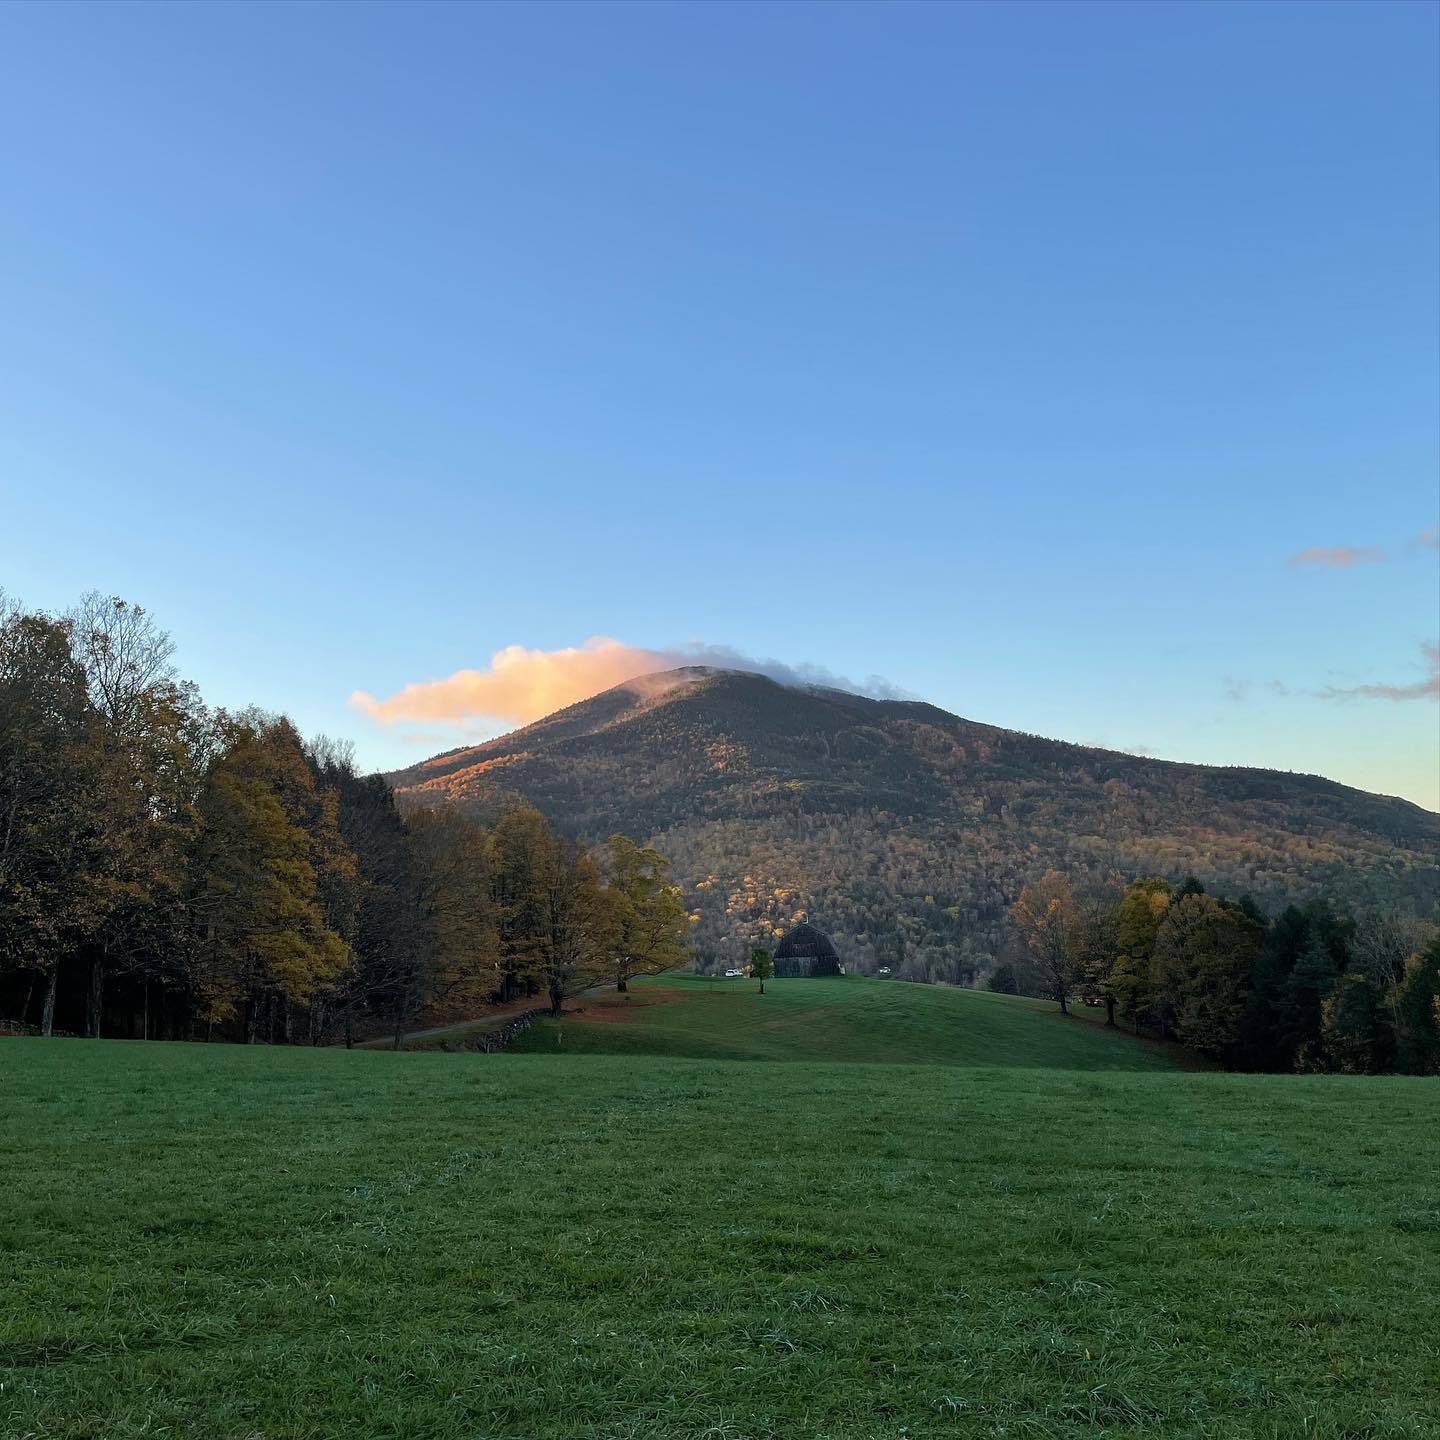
(226, 1242)
(873, 1021)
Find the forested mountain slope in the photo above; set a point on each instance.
(906, 831)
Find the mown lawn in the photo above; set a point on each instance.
(224, 1242)
(850, 1019)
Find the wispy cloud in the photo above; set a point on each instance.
(522, 685)
(1426, 689)
(1241, 690)
(1338, 557)
(1430, 538)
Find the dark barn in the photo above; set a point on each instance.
(804, 951)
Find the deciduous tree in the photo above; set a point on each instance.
(1205, 954)
(1044, 916)
(762, 966)
(652, 924)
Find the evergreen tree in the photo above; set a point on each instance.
(1355, 1036)
(1417, 1010)
(1002, 979)
(1302, 1010)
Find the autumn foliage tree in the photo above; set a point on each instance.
(169, 870)
(449, 952)
(1206, 951)
(652, 926)
(1138, 918)
(268, 840)
(52, 835)
(1309, 990)
(1044, 916)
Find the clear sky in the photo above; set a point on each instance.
(1012, 353)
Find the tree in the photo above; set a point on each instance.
(1044, 915)
(1002, 979)
(1091, 943)
(373, 906)
(263, 847)
(1417, 1010)
(454, 946)
(1354, 1035)
(1205, 954)
(1382, 942)
(524, 854)
(1266, 1041)
(1139, 914)
(151, 742)
(762, 967)
(1132, 987)
(52, 832)
(157, 859)
(652, 924)
(584, 923)
(125, 657)
(1302, 1010)
(1138, 917)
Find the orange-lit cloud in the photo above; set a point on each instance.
(1429, 538)
(522, 685)
(1340, 557)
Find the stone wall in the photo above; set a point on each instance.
(492, 1041)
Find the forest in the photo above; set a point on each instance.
(172, 870)
(169, 870)
(906, 833)
(1309, 990)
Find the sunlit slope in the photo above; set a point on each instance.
(885, 819)
(847, 1019)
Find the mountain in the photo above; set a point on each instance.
(906, 831)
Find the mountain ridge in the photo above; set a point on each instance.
(905, 829)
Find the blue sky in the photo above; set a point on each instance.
(1008, 352)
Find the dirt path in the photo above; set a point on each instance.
(491, 1019)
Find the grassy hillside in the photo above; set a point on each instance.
(848, 1019)
(293, 1244)
(898, 827)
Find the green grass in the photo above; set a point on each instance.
(230, 1243)
(850, 1019)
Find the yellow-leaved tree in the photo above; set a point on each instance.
(267, 838)
(652, 926)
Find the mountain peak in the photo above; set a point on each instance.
(894, 823)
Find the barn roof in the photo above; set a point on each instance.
(805, 942)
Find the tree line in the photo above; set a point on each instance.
(169, 870)
(1310, 989)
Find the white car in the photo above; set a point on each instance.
(733, 974)
(883, 970)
